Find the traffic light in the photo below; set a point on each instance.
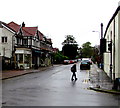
(110, 46)
(102, 45)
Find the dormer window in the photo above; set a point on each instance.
(35, 38)
(44, 39)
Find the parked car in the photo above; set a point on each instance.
(72, 61)
(85, 65)
(66, 61)
(79, 60)
(87, 60)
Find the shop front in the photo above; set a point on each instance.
(36, 58)
(23, 58)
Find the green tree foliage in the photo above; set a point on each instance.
(70, 47)
(59, 57)
(96, 55)
(87, 50)
(69, 40)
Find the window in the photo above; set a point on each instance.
(27, 58)
(18, 41)
(4, 39)
(25, 42)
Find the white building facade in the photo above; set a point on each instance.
(6, 35)
(112, 35)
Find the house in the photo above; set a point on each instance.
(112, 54)
(46, 51)
(55, 50)
(25, 46)
(6, 44)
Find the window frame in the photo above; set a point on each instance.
(4, 39)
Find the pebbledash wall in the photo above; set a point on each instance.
(112, 33)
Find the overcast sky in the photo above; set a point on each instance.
(58, 18)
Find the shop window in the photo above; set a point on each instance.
(20, 58)
(27, 58)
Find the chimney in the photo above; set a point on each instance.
(101, 30)
(23, 24)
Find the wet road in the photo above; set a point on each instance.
(53, 87)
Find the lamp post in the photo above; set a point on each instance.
(98, 61)
(102, 45)
(99, 36)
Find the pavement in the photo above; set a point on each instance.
(99, 81)
(6, 74)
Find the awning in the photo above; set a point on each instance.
(36, 51)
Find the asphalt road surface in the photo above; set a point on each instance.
(53, 87)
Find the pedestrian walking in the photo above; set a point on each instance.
(73, 70)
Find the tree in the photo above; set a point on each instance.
(70, 47)
(59, 57)
(87, 50)
(69, 40)
(96, 54)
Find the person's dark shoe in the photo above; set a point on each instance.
(72, 79)
(75, 79)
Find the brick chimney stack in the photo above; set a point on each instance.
(23, 24)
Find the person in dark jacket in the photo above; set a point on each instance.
(73, 69)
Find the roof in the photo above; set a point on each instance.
(29, 31)
(114, 15)
(49, 40)
(55, 49)
(40, 35)
(0, 24)
(14, 26)
(6, 25)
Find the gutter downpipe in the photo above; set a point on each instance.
(114, 53)
(111, 66)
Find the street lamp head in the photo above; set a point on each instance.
(95, 31)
